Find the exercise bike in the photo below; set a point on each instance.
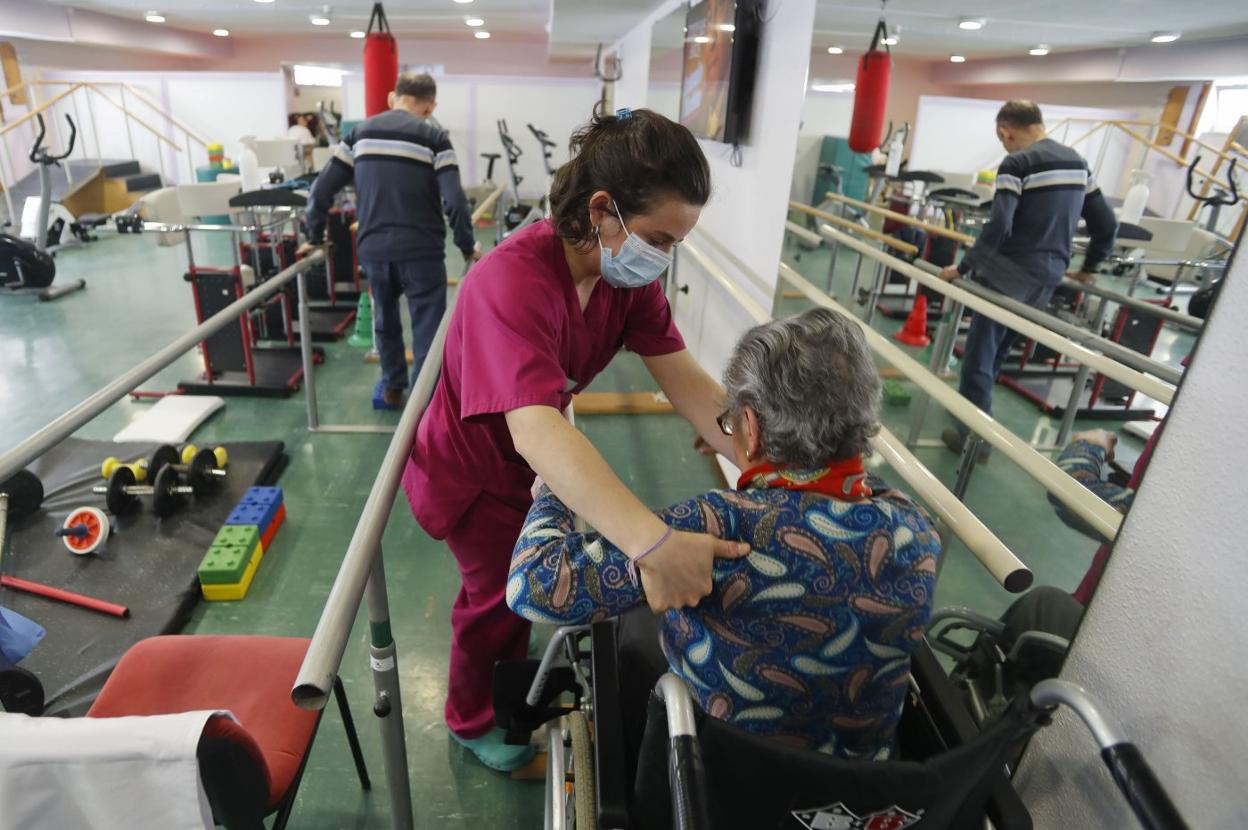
(517, 215)
(29, 266)
(1200, 302)
(546, 144)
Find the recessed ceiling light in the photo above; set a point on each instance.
(481, 34)
(1166, 37)
(221, 32)
(971, 24)
(1039, 51)
(154, 17)
(357, 34)
(891, 40)
(474, 21)
(845, 87)
(957, 59)
(266, 2)
(317, 20)
(463, 2)
(835, 50)
(701, 39)
(726, 27)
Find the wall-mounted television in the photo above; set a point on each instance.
(720, 65)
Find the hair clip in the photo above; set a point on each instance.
(624, 113)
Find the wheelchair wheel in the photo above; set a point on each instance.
(584, 793)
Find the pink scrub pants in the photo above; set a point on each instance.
(483, 629)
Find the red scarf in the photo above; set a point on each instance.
(839, 479)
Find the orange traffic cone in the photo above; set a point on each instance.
(914, 332)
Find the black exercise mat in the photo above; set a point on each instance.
(148, 565)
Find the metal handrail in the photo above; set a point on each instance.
(1078, 498)
(131, 115)
(1154, 388)
(936, 230)
(63, 427)
(1000, 561)
(1169, 315)
(891, 241)
(46, 105)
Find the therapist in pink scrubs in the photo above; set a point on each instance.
(539, 317)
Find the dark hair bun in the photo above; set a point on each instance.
(638, 157)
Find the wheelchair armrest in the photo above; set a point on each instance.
(612, 776)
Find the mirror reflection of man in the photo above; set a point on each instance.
(406, 176)
(1042, 190)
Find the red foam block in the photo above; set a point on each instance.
(266, 537)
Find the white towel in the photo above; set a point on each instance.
(78, 773)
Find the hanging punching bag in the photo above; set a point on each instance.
(871, 95)
(381, 63)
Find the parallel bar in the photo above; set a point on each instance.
(1150, 386)
(979, 540)
(891, 241)
(1169, 315)
(803, 233)
(64, 426)
(329, 641)
(957, 236)
(1079, 499)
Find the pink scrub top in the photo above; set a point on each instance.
(518, 338)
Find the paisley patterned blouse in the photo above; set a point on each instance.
(806, 640)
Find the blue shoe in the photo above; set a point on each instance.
(491, 750)
(387, 399)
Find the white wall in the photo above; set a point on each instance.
(1162, 646)
(959, 135)
(634, 52)
(747, 210)
(828, 113)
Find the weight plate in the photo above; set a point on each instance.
(21, 693)
(25, 492)
(164, 455)
(120, 502)
(164, 499)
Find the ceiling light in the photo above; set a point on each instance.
(474, 21)
(481, 34)
(701, 39)
(957, 59)
(835, 50)
(1039, 51)
(266, 2)
(971, 24)
(891, 40)
(357, 34)
(1166, 37)
(318, 19)
(726, 27)
(844, 87)
(154, 17)
(463, 2)
(221, 32)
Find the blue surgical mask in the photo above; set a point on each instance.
(637, 264)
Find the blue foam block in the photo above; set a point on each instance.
(253, 514)
(379, 402)
(262, 495)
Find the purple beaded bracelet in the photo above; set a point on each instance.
(632, 563)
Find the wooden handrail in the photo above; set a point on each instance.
(37, 110)
(870, 233)
(168, 116)
(1088, 134)
(130, 114)
(1177, 159)
(936, 230)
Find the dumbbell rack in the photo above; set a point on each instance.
(235, 362)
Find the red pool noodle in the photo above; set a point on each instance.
(81, 600)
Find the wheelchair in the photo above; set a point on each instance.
(694, 772)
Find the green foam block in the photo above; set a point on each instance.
(237, 536)
(895, 394)
(224, 564)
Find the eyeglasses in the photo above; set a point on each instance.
(724, 419)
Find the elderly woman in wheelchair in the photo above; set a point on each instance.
(789, 692)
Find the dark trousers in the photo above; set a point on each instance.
(988, 343)
(423, 282)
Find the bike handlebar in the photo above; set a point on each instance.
(1216, 199)
(38, 155)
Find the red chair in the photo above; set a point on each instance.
(250, 767)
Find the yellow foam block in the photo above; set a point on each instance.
(237, 590)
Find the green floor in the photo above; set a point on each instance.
(54, 354)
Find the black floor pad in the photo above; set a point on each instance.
(148, 565)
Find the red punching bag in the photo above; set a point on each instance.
(381, 63)
(871, 95)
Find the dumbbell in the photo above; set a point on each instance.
(123, 491)
(20, 495)
(139, 468)
(203, 469)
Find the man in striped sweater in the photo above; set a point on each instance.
(1042, 190)
(406, 176)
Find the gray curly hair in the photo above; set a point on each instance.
(812, 383)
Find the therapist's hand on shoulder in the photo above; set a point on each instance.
(678, 573)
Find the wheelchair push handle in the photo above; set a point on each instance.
(686, 771)
(1134, 777)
